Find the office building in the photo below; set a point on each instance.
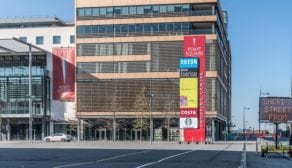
(128, 66)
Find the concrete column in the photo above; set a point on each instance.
(114, 129)
(51, 127)
(78, 129)
(8, 129)
(43, 127)
(81, 130)
(213, 130)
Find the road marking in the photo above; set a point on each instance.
(172, 156)
(101, 160)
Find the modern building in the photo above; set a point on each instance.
(45, 34)
(128, 66)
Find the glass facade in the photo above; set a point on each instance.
(14, 85)
(164, 10)
(148, 29)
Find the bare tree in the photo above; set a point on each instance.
(140, 106)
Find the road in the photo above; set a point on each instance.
(152, 156)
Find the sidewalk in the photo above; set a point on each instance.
(254, 161)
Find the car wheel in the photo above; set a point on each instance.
(63, 140)
(47, 140)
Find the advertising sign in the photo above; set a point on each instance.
(275, 109)
(188, 118)
(63, 74)
(188, 92)
(188, 63)
(194, 47)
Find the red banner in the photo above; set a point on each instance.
(63, 74)
(194, 46)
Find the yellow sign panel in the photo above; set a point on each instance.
(188, 92)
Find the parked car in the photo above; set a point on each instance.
(58, 137)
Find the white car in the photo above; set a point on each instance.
(59, 137)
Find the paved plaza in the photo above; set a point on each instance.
(130, 155)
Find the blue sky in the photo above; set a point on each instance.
(38, 8)
(261, 42)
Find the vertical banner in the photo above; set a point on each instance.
(63, 74)
(194, 47)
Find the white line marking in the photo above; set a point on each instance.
(101, 160)
(172, 156)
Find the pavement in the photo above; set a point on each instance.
(255, 160)
(131, 154)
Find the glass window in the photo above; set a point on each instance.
(24, 39)
(125, 10)
(162, 27)
(39, 40)
(147, 9)
(177, 27)
(95, 12)
(87, 29)
(117, 28)
(170, 27)
(139, 28)
(72, 39)
(94, 29)
(162, 8)
(155, 9)
(170, 8)
(88, 12)
(185, 7)
(80, 12)
(155, 28)
(185, 26)
(118, 10)
(102, 11)
(109, 29)
(80, 30)
(132, 28)
(125, 28)
(147, 27)
(133, 10)
(140, 10)
(101, 29)
(125, 49)
(56, 39)
(177, 8)
(109, 11)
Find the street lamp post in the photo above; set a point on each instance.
(30, 91)
(244, 108)
(150, 118)
(260, 95)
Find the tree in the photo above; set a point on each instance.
(140, 106)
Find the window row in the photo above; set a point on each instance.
(110, 49)
(144, 11)
(13, 61)
(39, 40)
(113, 67)
(143, 29)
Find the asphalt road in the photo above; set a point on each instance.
(224, 157)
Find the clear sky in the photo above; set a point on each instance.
(261, 42)
(260, 32)
(37, 8)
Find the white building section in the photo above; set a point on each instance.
(45, 33)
